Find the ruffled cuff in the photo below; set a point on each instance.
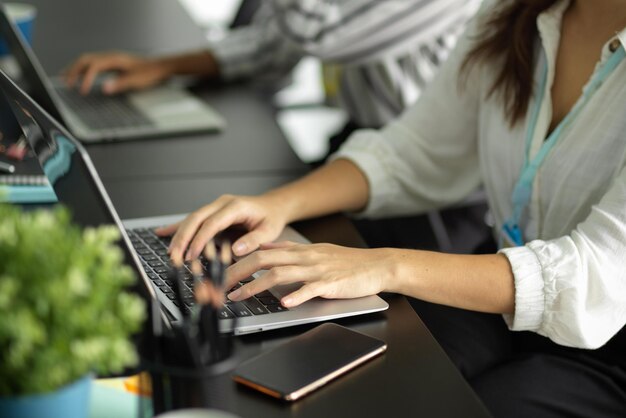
(529, 290)
(231, 56)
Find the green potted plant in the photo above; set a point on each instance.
(64, 314)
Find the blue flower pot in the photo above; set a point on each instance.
(71, 401)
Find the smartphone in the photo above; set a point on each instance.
(308, 361)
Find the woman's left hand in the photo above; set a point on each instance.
(326, 270)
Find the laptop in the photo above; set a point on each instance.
(77, 185)
(163, 110)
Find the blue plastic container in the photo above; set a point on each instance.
(71, 401)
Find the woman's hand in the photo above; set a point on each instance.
(134, 72)
(261, 215)
(327, 271)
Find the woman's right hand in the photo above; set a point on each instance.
(134, 72)
(263, 217)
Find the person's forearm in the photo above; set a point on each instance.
(337, 186)
(199, 63)
(476, 282)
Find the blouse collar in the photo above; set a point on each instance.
(549, 28)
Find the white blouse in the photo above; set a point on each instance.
(570, 277)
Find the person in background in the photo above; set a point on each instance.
(378, 57)
(383, 52)
(531, 104)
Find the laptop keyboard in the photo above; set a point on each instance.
(152, 251)
(101, 112)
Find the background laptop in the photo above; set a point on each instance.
(162, 110)
(78, 186)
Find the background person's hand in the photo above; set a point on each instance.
(260, 215)
(133, 72)
(327, 271)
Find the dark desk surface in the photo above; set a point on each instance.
(135, 198)
(414, 378)
(251, 145)
(173, 175)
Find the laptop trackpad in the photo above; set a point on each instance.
(170, 106)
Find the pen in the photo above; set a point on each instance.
(187, 327)
(7, 168)
(218, 267)
(210, 253)
(225, 260)
(196, 271)
(176, 277)
(210, 316)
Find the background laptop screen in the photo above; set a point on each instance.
(33, 76)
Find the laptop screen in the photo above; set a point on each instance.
(33, 77)
(69, 170)
(61, 162)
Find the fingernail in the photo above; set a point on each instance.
(107, 87)
(239, 248)
(234, 295)
(287, 301)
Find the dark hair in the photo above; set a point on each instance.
(508, 40)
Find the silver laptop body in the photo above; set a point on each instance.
(312, 311)
(164, 110)
(77, 185)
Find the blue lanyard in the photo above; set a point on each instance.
(522, 191)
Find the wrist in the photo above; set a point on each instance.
(200, 63)
(284, 204)
(271, 210)
(166, 66)
(399, 270)
(388, 277)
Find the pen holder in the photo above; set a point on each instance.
(185, 387)
(176, 382)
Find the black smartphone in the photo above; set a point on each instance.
(308, 361)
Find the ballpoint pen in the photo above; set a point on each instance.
(217, 264)
(196, 271)
(7, 168)
(187, 327)
(210, 331)
(210, 253)
(176, 275)
(225, 260)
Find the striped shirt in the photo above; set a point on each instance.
(386, 50)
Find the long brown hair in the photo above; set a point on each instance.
(508, 40)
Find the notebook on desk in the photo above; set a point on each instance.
(77, 185)
(163, 110)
